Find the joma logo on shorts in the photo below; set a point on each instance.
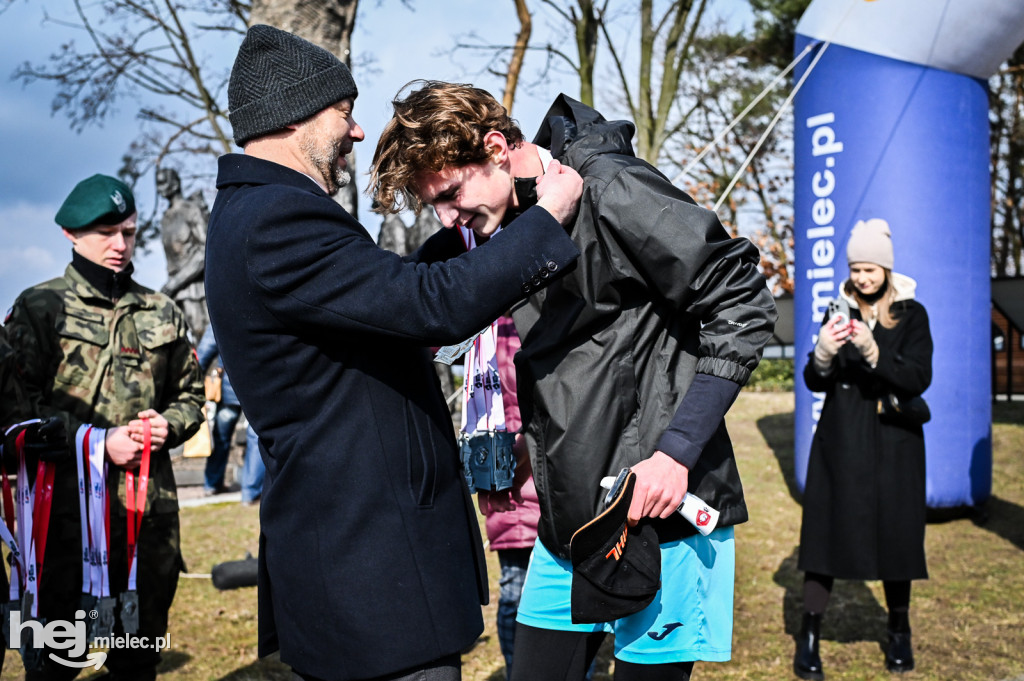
(665, 631)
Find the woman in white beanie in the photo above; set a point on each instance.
(864, 501)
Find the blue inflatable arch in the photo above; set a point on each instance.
(892, 123)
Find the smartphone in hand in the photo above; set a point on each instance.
(838, 307)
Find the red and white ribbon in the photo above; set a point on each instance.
(94, 504)
(8, 528)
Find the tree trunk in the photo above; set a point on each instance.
(327, 23)
(586, 46)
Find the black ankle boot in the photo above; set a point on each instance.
(899, 655)
(806, 660)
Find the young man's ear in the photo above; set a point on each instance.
(496, 144)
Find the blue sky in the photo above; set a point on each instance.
(41, 159)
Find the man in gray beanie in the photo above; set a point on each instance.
(369, 547)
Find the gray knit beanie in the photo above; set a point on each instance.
(870, 241)
(279, 79)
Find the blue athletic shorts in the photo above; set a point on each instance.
(689, 619)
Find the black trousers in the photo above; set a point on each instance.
(548, 655)
(445, 669)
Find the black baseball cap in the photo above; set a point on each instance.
(616, 569)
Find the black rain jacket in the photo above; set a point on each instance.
(660, 293)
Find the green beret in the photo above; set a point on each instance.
(100, 199)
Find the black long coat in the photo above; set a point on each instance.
(864, 502)
(370, 554)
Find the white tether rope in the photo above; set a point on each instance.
(741, 115)
(778, 115)
(771, 126)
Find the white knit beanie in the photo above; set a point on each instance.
(870, 241)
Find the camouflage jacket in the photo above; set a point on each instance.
(93, 360)
(13, 404)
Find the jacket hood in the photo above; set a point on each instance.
(569, 122)
(904, 286)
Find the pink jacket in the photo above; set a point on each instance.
(513, 529)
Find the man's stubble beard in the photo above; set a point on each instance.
(323, 152)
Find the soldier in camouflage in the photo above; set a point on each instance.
(94, 347)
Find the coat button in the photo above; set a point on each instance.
(552, 266)
(536, 281)
(527, 288)
(544, 274)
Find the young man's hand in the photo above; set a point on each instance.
(158, 428)
(661, 484)
(559, 190)
(122, 450)
(125, 443)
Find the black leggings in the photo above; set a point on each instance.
(548, 655)
(818, 587)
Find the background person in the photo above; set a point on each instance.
(95, 347)
(631, 360)
(369, 547)
(511, 515)
(864, 502)
(253, 468)
(511, 519)
(224, 421)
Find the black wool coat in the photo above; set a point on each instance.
(370, 554)
(864, 501)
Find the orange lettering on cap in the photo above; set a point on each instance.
(620, 545)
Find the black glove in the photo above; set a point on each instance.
(47, 440)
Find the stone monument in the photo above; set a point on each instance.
(183, 232)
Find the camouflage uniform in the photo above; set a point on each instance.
(90, 359)
(13, 409)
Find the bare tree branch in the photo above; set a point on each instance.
(144, 47)
(518, 53)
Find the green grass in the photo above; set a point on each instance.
(968, 619)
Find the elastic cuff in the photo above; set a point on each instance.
(679, 448)
(723, 368)
(821, 368)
